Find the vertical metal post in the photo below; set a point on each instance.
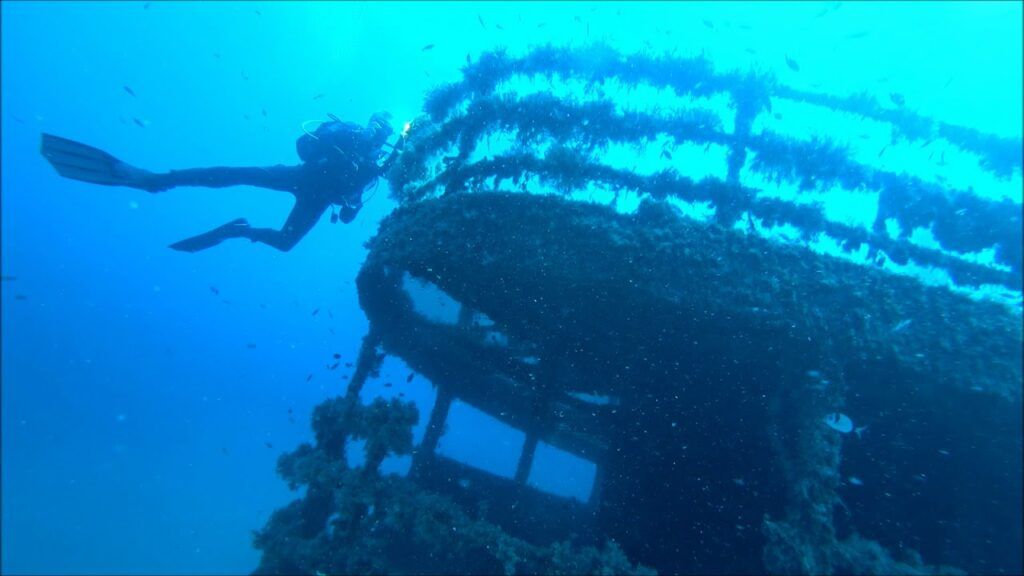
(435, 427)
(526, 458)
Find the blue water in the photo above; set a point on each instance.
(147, 392)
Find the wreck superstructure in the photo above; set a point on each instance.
(723, 346)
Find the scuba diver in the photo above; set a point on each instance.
(339, 161)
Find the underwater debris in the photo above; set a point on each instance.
(613, 301)
(816, 163)
(355, 520)
(597, 304)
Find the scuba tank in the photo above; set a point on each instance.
(324, 141)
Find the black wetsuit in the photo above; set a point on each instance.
(340, 160)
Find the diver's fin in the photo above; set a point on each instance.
(211, 238)
(82, 162)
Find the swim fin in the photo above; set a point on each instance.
(82, 162)
(211, 238)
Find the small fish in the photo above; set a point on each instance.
(387, 384)
(268, 444)
(258, 13)
(897, 98)
(480, 19)
(289, 410)
(542, 24)
(499, 26)
(20, 297)
(856, 481)
(467, 58)
(337, 356)
(245, 77)
(410, 377)
(792, 64)
(318, 96)
(330, 315)
(348, 364)
(129, 91)
(310, 377)
(401, 394)
(331, 330)
(316, 311)
(857, 35)
(138, 123)
(224, 451)
(901, 325)
(666, 154)
(263, 306)
(882, 151)
(215, 290)
(709, 24)
(944, 452)
(344, 376)
(427, 47)
(250, 346)
(335, 366)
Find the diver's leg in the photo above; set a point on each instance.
(304, 215)
(283, 178)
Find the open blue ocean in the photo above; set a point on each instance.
(702, 287)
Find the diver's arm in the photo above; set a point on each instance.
(395, 153)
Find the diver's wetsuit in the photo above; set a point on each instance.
(339, 162)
